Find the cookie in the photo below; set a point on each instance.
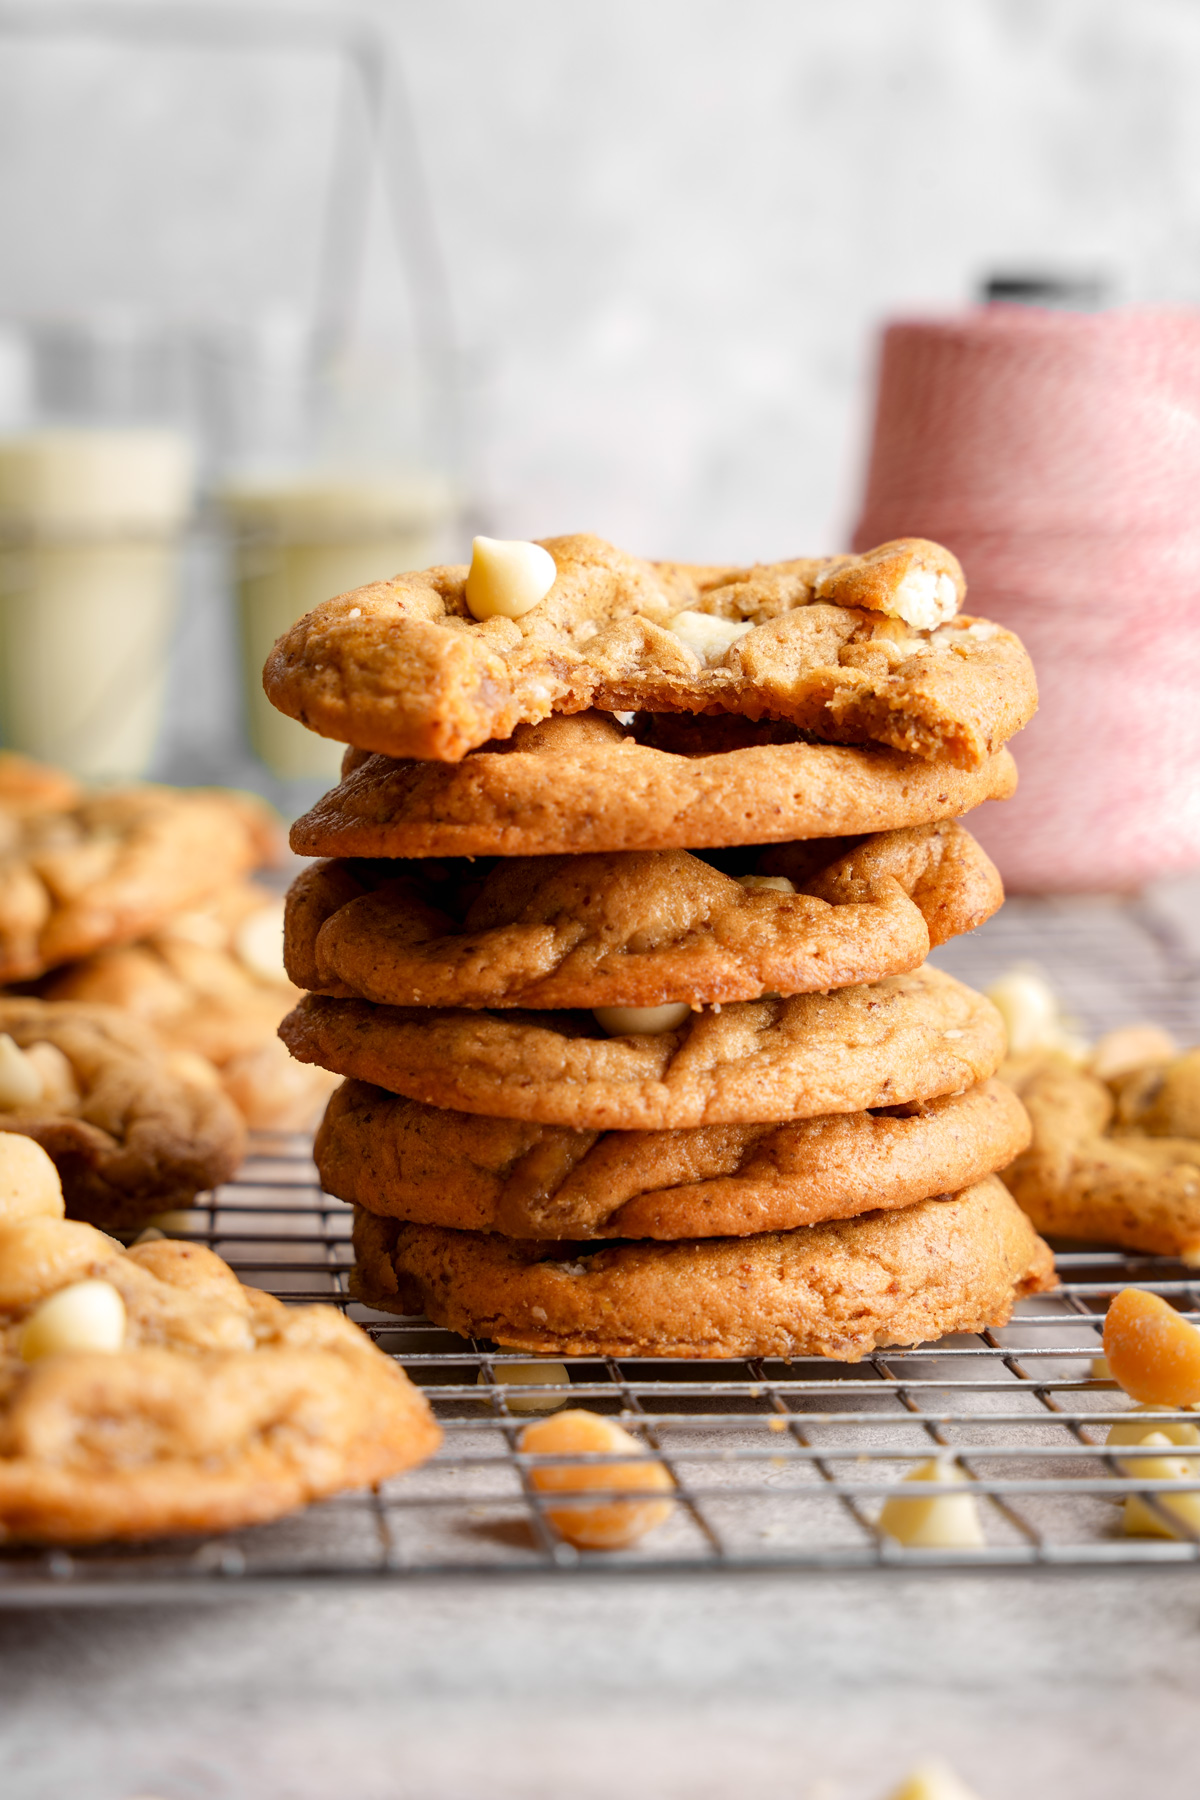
(634, 928)
(840, 1290)
(403, 668)
(910, 1037)
(117, 866)
(403, 1160)
(131, 1131)
(221, 1407)
(211, 982)
(1117, 1162)
(28, 788)
(590, 784)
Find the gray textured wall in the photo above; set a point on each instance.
(671, 226)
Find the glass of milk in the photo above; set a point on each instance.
(90, 529)
(300, 539)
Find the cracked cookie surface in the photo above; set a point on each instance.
(401, 666)
(115, 865)
(404, 1160)
(130, 1133)
(909, 1037)
(1116, 1162)
(634, 929)
(588, 783)
(839, 1290)
(223, 1408)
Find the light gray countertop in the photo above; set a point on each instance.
(1033, 1683)
(819, 1687)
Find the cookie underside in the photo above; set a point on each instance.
(838, 1290)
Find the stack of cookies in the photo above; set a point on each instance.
(620, 942)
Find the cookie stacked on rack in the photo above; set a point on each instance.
(620, 941)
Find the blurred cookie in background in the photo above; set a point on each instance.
(82, 872)
(211, 982)
(133, 1127)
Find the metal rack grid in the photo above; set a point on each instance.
(777, 1466)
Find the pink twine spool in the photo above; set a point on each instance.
(1058, 455)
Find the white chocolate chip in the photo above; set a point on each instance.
(942, 1522)
(1135, 1430)
(1032, 1016)
(180, 1218)
(20, 1083)
(89, 1315)
(355, 612)
(60, 1088)
(924, 599)
(507, 578)
(955, 630)
(531, 1375)
(259, 942)
(933, 1780)
(708, 638)
(631, 1021)
(1144, 1521)
(29, 1184)
(779, 884)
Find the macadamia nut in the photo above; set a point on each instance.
(29, 1184)
(608, 1524)
(1152, 1351)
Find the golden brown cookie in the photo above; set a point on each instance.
(222, 1407)
(402, 667)
(839, 1290)
(589, 784)
(211, 982)
(116, 866)
(1117, 1162)
(131, 1130)
(633, 928)
(407, 1161)
(28, 787)
(910, 1037)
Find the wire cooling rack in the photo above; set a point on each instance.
(776, 1465)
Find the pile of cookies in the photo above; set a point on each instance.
(619, 940)
(137, 1039)
(146, 1391)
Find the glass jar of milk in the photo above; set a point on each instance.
(90, 528)
(299, 540)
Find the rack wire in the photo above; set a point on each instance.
(778, 1466)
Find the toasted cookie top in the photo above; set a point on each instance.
(591, 784)
(403, 1160)
(133, 1130)
(856, 650)
(635, 928)
(147, 1391)
(1116, 1161)
(909, 1037)
(841, 1289)
(116, 865)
